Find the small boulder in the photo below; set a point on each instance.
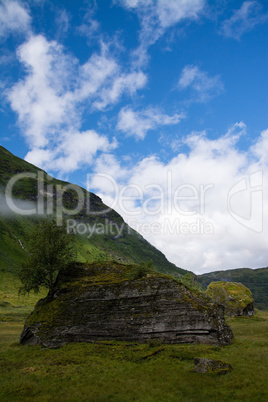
(211, 366)
(236, 298)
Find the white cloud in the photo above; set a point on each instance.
(6, 59)
(102, 81)
(244, 20)
(157, 16)
(133, 4)
(42, 99)
(13, 18)
(62, 21)
(203, 85)
(167, 13)
(90, 25)
(74, 150)
(80, 148)
(51, 98)
(198, 208)
(172, 11)
(115, 168)
(260, 149)
(128, 83)
(95, 75)
(138, 123)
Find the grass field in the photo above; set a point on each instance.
(15, 307)
(120, 371)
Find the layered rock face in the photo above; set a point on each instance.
(236, 298)
(95, 302)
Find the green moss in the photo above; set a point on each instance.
(254, 279)
(233, 296)
(47, 312)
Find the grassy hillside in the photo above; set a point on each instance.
(255, 279)
(106, 237)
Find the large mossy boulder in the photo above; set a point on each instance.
(236, 298)
(104, 301)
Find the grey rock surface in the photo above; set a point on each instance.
(94, 302)
(211, 366)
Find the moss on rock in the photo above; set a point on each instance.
(236, 298)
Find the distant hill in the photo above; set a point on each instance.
(103, 233)
(255, 279)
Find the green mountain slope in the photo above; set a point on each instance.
(102, 234)
(255, 279)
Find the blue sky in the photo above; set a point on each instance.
(158, 106)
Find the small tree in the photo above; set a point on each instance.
(51, 248)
